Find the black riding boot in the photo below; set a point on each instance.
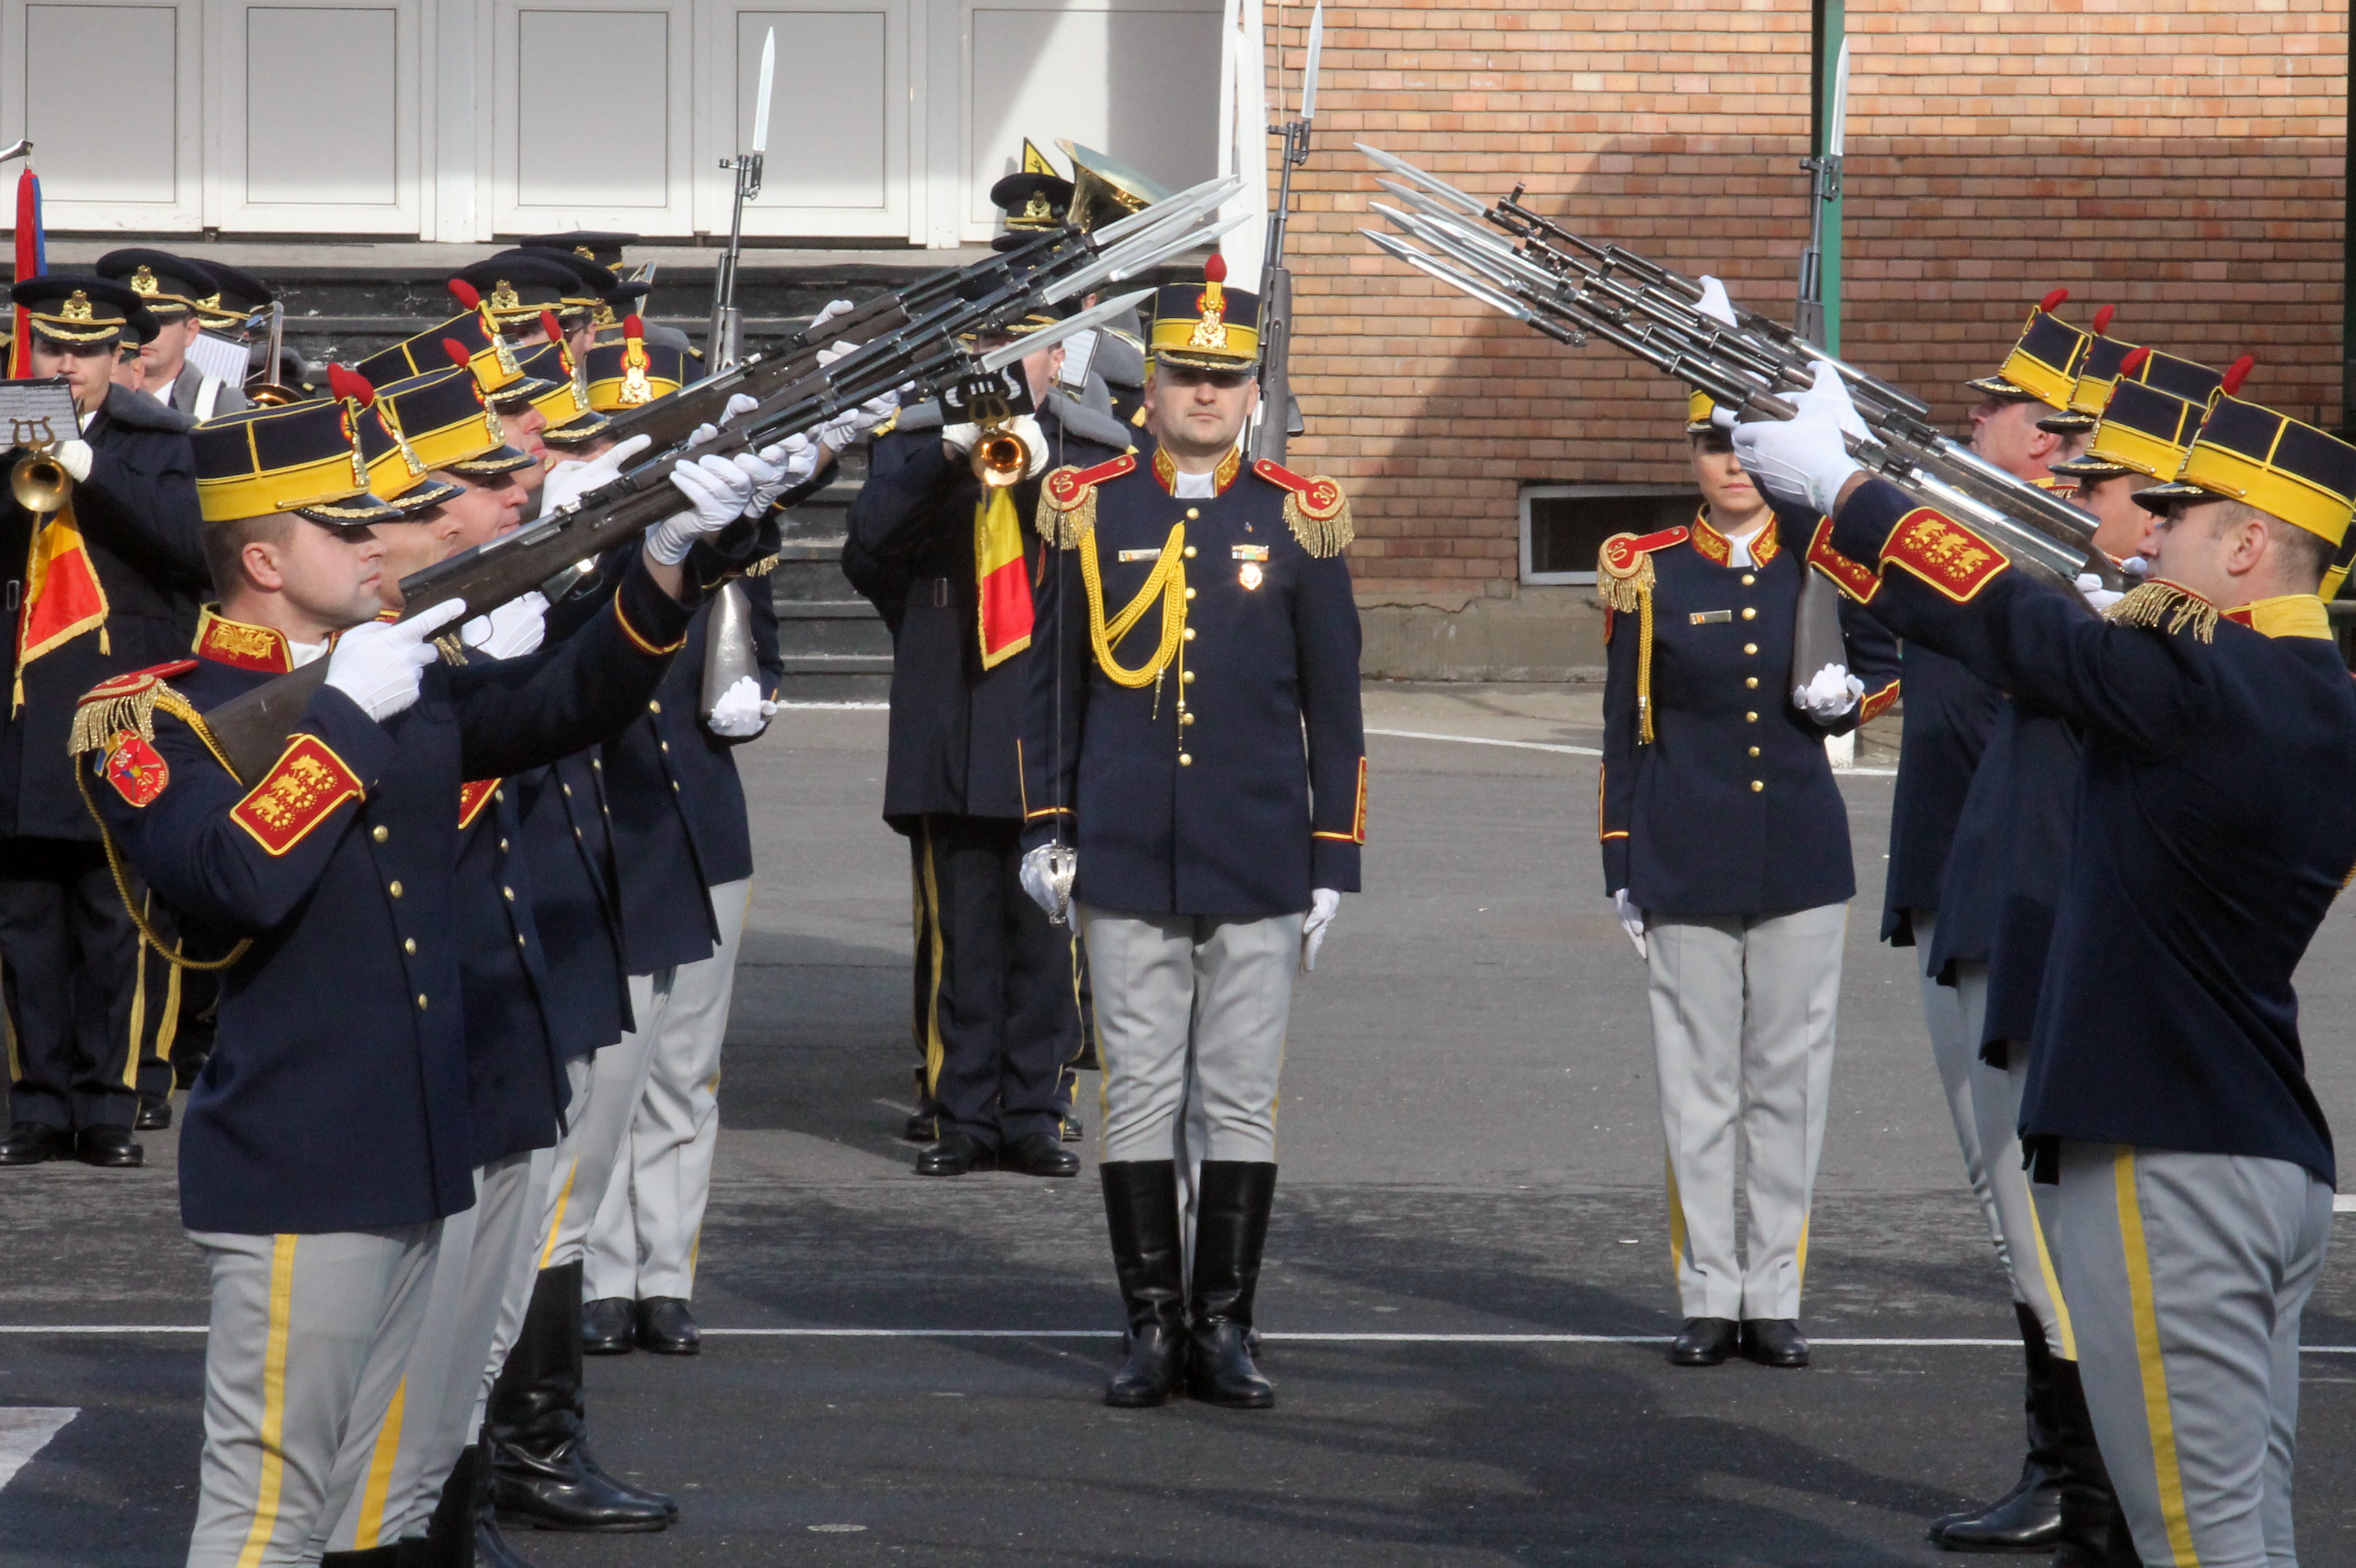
(2088, 1504)
(1230, 1231)
(2029, 1517)
(1140, 1199)
(541, 1469)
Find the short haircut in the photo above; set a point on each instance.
(225, 545)
(2304, 556)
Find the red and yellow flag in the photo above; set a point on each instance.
(1005, 618)
(63, 598)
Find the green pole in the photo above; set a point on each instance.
(1831, 29)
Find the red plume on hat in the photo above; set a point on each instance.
(344, 383)
(548, 324)
(466, 294)
(2238, 372)
(457, 353)
(1215, 268)
(2052, 302)
(2103, 319)
(2133, 362)
(632, 326)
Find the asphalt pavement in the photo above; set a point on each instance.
(1468, 1276)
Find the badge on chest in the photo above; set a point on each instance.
(1253, 557)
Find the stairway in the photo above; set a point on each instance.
(835, 646)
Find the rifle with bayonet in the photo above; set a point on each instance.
(1280, 412)
(918, 356)
(1572, 289)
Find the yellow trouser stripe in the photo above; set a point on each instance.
(168, 1031)
(1676, 1220)
(934, 1048)
(2068, 1348)
(138, 1029)
(8, 1037)
(370, 1531)
(2157, 1413)
(1800, 1264)
(273, 1402)
(556, 1215)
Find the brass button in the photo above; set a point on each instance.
(1186, 718)
(576, 833)
(1190, 552)
(1186, 677)
(1756, 786)
(1750, 647)
(394, 889)
(568, 792)
(421, 1001)
(598, 763)
(1185, 761)
(674, 786)
(1749, 613)
(503, 846)
(1190, 594)
(1751, 681)
(379, 834)
(1747, 579)
(510, 893)
(1188, 634)
(1750, 719)
(408, 945)
(499, 795)
(518, 939)
(1754, 750)
(1192, 513)
(666, 745)
(653, 707)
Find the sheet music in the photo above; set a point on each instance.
(37, 410)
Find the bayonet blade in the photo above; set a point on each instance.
(761, 105)
(1433, 183)
(1496, 298)
(1047, 337)
(1316, 52)
(1837, 119)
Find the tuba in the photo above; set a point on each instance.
(1104, 191)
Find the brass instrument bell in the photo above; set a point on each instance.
(1001, 457)
(40, 482)
(1103, 190)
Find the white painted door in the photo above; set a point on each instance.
(593, 123)
(131, 160)
(288, 157)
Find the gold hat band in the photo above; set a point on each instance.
(312, 484)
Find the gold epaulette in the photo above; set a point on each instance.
(2160, 600)
(1067, 501)
(1314, 509)
(1623, 569)
(129, 702)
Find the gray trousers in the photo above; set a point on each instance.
(1743, 1009)
(392, 1469)
(1195, 1001)
(307, 1339)
(643, 1242)
(2187, 1273)
(1996, 1115)
(606, 1089)
(1955, 1053)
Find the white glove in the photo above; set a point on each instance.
(833, 308)
(741, 711)
(1831, 693)
(509, 632)
(1632, 919)
(1047, 873)
(768, 471)
(378, 663)
(717, 490)
(572, 479)
(74, 457)
(1802, 461)
(702, 435)
(1714, 302)
(2090, 588)
(962, 438)
(853, 423)
(1324, 903)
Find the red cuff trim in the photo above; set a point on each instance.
(473, 795)
(1855, 579)
(1876, 704)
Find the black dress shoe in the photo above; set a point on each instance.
(1775, 1342)
(1038, 1154)
(923, 1127)
(154, 1113)
(1704, 1342)
(30, 1142)
(110, 1147)
(955, 1154)
(1072, 1130)
(665, 1328)
(605, 1326)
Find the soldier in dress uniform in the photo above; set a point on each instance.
(115, 576)
(2167, 1100)
(329, 1135)
(1725, 853)
(2002, 882)
(174, 290)
(1194, 737)
(943, 558)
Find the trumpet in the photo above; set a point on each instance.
(1001, 457)
(40, 482)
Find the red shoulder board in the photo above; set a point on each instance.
(1854, 578)
(472, 796)
(138, 681)
(301, 790)
(1621, 551)
(1065, 484)
(1320, 497)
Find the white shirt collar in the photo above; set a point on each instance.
(1196, 486)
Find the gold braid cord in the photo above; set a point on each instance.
(1168, 583)
(2156, 602)
(1623, 580)
(1064, 523)
(171, 955)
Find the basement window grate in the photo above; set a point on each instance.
(1563, 526)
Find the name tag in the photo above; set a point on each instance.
(1250, 552)
(1710, 617)
(1153, 554)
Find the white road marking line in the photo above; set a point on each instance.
(857, 707)
(2343, 1202)
(26, 1430)
(1484, 741)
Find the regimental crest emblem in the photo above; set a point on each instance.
(136, 769)
(1944, 553)
(503, 297)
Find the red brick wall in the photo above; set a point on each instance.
(2181, 159)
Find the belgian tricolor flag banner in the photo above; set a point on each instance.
(1005, 618)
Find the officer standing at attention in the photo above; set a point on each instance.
(943, 555)
(323, 1149)
(174, 289)
(1194, 737)
(115, 574)
(1725, 853)
(2167, 1098)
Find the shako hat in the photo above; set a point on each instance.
(448, 422)
(2247, 452)
(631, 372)
(2145, 428)
(2043, 365)
(303, 458)
(396, 471)
(1205, 326)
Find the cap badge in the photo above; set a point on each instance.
(143, 281)
(76, 308)
(636, 388)
(504, 297)
(1211, 332)
(1037, 207)
(585, 253)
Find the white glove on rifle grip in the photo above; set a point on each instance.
(378, 664)
(1830, 693)
(1632, 920)
(1804, 461)
(718, 490)
(2090, 588)
(572, 479)
(1324, 903)
(1714, 302)
(741, 711)
(509, 632)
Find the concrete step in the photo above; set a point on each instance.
(831, 626)
(835, 678)
(810, 570)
